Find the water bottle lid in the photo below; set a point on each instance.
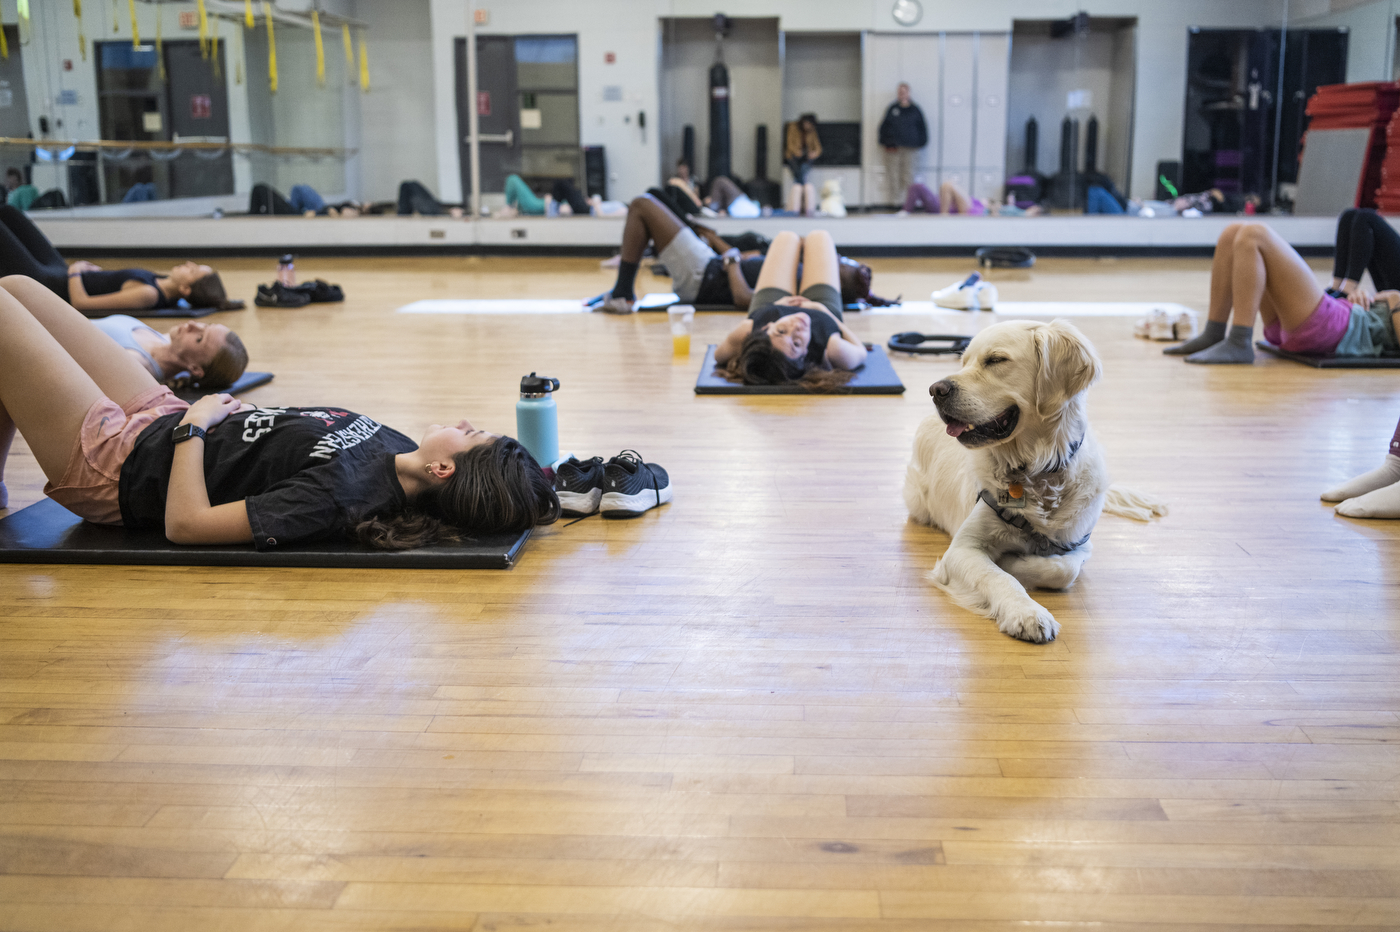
(538, 385)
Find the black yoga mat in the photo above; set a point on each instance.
(876, 377)
(247, 381)
(660, 301)
(47, 532)
(1333, 362)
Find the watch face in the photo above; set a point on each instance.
(907, 12)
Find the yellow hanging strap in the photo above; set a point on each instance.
(22, 7)
(214, 48)
(320, 49)
(82, 40)
(238, 56)
(364, 64)
(203, 28)
(349, 51)
(135, 29)
(271, 49)
(115, 16)
(4, 45)
(160, 49)
(248, 14)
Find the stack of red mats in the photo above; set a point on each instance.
(1364, 105)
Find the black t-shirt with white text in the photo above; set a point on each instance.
(305, 473)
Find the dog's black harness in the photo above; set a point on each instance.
(1041, 546)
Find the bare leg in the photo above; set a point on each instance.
(953, 199)
(1221, 285)
(43, 390)
(723, 191)
(780, 265)
(794, 199)
(648, 220)
(809, 195)
(1265, 263)
(820, 266)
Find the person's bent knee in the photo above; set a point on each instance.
(786, 236)
(12, 282)
(1227, 235)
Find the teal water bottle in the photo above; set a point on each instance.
(537, 418)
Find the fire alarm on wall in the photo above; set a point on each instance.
(482, 17)
(609, 58)
(189, 19)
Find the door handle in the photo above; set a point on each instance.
(508, 137)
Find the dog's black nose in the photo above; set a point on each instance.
(941, 389)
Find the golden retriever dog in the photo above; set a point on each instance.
(1011, 469)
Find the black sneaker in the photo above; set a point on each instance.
(631, 486)
(579, 485)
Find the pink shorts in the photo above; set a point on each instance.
(89, 484)
(1320, 333)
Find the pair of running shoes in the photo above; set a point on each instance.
(623, 487)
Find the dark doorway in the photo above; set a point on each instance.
(527, 88)
(1233, 104)
(189, 104)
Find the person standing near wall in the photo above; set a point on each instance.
(903, 133)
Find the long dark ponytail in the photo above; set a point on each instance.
(496, 487)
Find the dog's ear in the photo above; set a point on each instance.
(1067, 365)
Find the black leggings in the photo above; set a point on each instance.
(26, 251)
(1366, 242)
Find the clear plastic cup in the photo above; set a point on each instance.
(681, 317)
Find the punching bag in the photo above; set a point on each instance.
(1091, 146)
(1067, 148)
(1032, 145)
(719, 121)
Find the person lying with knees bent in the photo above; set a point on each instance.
(1256, 272)
(792, 337)
(119, 448)
(24, 250)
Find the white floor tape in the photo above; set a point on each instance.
(497, 306)
(1042, 308)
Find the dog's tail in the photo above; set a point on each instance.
(1130, 503)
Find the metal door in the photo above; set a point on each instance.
(14, 106)
(198, 108)
(498, 111)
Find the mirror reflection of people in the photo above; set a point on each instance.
(794, 336)
(801, 149)
(903, 133)
(17, 193)
(95, 291)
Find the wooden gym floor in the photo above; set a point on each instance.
(747, 710)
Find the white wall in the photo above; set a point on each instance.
(397, 141)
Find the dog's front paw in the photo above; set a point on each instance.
(1030, 623)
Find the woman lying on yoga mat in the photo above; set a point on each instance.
(704, 269)
(26, 251)
(119, 448)
(1256, 272)
(211, 354)
(794, 338)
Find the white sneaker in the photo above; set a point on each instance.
(1140, 328)
(970, 294)
(615, 305)
(1184, 327)
(1160, 327)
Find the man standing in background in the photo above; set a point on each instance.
(903, 133)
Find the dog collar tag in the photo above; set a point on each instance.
(1014, 497)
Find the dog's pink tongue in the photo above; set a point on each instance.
(955, 429)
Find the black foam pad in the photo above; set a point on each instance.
(914, 342)
(47, 532)
(1333, 362)
(876, 377)
(660, 301)
(248, 380)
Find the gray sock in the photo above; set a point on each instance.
(1213, 333)
(1238, 347)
